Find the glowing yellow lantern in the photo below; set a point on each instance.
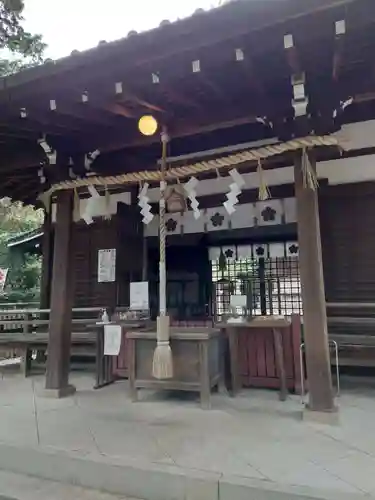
(147, 125)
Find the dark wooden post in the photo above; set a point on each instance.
(45, 284)
(313, 295)
(57, 380)
(46, 278)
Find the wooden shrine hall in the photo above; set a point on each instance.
(257, 168)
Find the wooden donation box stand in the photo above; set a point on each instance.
(196, 363)
(277, 325)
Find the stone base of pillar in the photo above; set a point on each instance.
(321, 417)
(63, 392)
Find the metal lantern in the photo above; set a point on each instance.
(147, 125)
(175, 200)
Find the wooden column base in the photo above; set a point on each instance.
(62, 392)
(321, 417)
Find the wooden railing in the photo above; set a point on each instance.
(352, 326)
(30, 333)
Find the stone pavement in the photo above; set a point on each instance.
(100, 439)
(17, 487)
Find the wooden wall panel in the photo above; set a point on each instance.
(87, 240)
(347, 218)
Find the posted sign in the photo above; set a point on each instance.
(107, 265)
(3, 278)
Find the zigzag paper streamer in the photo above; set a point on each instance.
(192, 195)
(235, 190)
(143, 203)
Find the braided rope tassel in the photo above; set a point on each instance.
(76, 207)
(264, 192)
(310, 179)
(162, 365)
(108, 215)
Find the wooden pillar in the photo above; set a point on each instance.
(313, 295)
(45, 284)
(57, 380)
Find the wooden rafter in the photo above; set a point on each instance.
(176, 96)
(176, 131)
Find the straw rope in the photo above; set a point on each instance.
(217, 164)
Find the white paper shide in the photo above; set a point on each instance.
(107, 265)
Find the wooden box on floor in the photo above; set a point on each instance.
(196, 361)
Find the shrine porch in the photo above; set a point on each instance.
(165, 447)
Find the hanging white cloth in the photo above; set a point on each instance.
(112, 340)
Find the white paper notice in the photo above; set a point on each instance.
(238, 300)
(112, 340)
(107, 265)
(139, 295)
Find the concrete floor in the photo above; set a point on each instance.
(18, 487)
(253, 437)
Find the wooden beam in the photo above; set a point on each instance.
(58, 361)
(205, 31)
(131, 97)
(117, 108)
(176, 96)
(177, 131)
(313, 295)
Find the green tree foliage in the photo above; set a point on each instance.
(24, 273)
(17, 218)
(19, 49)
(25, 49)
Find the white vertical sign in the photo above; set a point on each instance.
(107, 265)
(3, 278)
(139, 295)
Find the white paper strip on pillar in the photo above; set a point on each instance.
(107, 265)
(112, 340)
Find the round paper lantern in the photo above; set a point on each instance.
(147, 125)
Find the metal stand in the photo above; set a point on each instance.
(332, 343)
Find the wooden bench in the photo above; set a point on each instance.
(32, 335)
(354, 332)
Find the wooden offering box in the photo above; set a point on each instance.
(259, 327)
(196, 362)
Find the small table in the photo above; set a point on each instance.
(277, 325)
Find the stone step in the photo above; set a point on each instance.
(135, 479)
(20, 487)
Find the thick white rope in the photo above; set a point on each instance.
(196, 168)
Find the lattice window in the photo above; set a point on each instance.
(268, 274)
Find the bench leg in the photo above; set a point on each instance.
(205, 389)
(26, 362)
